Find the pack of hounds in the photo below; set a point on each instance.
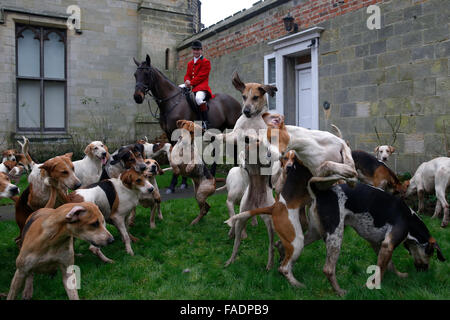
(316, 187)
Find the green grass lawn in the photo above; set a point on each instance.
(161, 255)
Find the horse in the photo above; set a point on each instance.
(223, 112)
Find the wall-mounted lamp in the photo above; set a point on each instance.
(289, 24)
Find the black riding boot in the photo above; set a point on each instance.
(205, 122)
(204, 115)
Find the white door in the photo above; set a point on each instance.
(304, 96)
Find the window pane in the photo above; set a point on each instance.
(54, 105)
(28, 55)
(271, 63)
(54, 56)
(272, 102)
(29, 103)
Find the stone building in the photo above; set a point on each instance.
(57, 84)
(331, 69)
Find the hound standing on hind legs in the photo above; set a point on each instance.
(433, 175)
(190, 164)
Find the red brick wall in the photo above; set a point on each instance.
(306, 15)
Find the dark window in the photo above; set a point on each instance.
(167, 59)
(41, 78)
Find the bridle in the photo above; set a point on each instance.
(147, 90)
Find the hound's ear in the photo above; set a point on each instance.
(391, 149)
(147, 60)
(237, 83)
(265, 115)
(88, 149)
(135, 62)
(160, 171)
(127, 179)
(269, 89)
(439, 252)
(69, 155)
(376, 149)
(74, 214)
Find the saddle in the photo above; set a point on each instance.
(190, 98)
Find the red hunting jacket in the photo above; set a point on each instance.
(198, 75)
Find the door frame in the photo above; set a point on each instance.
(303, 42)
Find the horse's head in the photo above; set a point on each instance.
(142, 76)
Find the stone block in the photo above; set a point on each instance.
(425, 52)
(348, 110)
(425, 87)
(378, 47)
(370, 62)
(400, 89)
(414, 143)
(412, 39)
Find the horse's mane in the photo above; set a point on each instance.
(162, 74)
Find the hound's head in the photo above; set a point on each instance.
(422, 252)
(253, 96)
(24, 161)
(7, 189)
(276, 131)
(151, 150)
(420, 244)
(85, 221)
(14, 170)
(97, 150)
(190, 126)
(384, 152)
(9, 154)
(130, 156)
(61, 172)
(136, 181)
(153, 168)
(289, 161)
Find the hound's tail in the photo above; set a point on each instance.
(248, 214)
(167, 169)
(221, 188)
(338, 132)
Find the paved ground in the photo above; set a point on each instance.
(7, 212)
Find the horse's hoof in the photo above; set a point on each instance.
(169, 191)
(183, 186)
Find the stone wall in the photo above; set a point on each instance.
(369, 77)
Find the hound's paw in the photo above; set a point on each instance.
(169, 191)
(230, 261)
(341, 292)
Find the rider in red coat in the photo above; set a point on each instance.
(196, 78)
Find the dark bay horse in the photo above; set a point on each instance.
(223, 112)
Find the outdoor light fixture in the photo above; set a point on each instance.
(289, 24)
